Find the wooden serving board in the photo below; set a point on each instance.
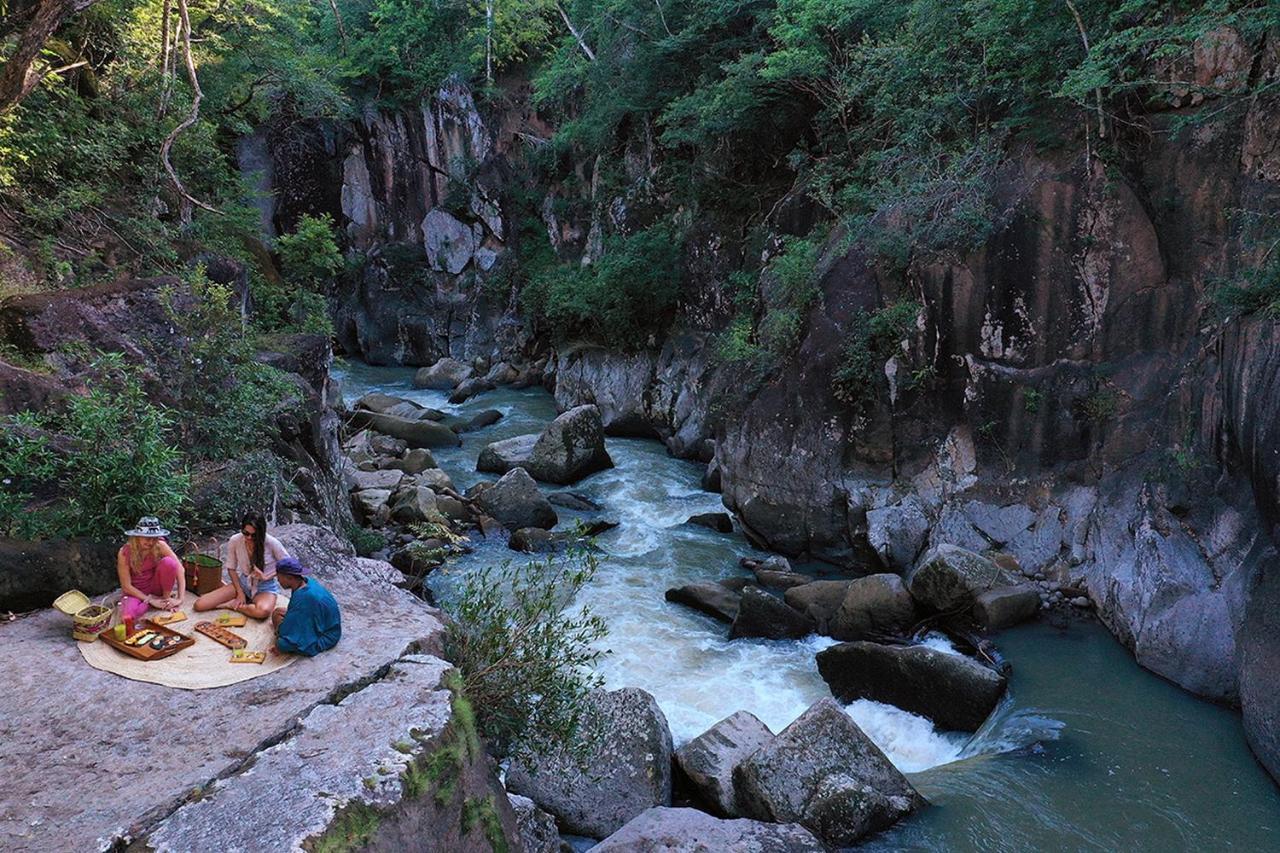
(147, 653)
(218, 634)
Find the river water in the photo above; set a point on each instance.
(1088, 751)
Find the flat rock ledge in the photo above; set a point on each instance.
(331, 744)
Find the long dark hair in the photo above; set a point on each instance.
(259, 523)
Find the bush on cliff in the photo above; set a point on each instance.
(95, 468)
(525, 651)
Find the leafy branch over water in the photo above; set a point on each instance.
(527, 657)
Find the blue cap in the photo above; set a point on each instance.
(293, 566)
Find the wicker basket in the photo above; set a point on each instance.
(88, 620)
(204, 573)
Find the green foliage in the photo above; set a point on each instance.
(310, 256)
(95, 468)
(257, 479)
(1032, 399)
(365, 541)
(525, 659)
(352, 829)
(1100, 406)
(873, 339)
(628, 294)
(1255, 287)
(229, 400)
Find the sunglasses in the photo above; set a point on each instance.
(248, 531)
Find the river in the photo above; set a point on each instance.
(1088, 751)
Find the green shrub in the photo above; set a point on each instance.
(525, 659)
(309, 257)
(628, 294)
(366, 542)
(257, 480)
(114, 462)
(871, 342)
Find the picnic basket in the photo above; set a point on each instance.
(88, 620)
(204, 573)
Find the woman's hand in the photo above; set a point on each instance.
(258, 575)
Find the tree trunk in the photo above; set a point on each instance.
(19, 77)
(197, 95)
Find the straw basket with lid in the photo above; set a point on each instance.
(88, 620)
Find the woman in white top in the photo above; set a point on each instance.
(252, 586)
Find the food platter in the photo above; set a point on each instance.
(230, 639)
(172, 642)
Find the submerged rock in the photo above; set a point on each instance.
(533, 540)
(708, 760)
(712, 599)
(625, 770)
(668, 830)
(762, 615)
(488, 417)
(874, 606)
(954, 691)
(825, 774)
(516, 502)
(721, 522)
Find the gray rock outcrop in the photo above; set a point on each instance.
(668, 830)
(516, 502)
(626, 768)
(420, 433)
(1006, 606)
(954, 691)
(824, 773)
(499, 457)
(445, 375)
(874, 606)
(538, 833)
(708, 760)
(712, 599)
(570, 448)
(762, 615)
(819, 600)
(949, 577)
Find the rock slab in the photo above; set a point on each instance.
(516, 502)
(570, 448)
(874, 606)
(949, 577)
(762, 615)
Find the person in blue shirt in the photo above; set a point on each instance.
(312, 623)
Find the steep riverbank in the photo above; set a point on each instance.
(1088, 747)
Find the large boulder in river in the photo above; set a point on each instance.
(819, 600)
(823, 772)
(570, 448)
(445, 375)
(499, 457)
(708, 760)
(713, 599)
(422, 433)
(668, 830)
(624, 767)
(949, 577)
(898, 532)
(762, 615)
(954, 691)
(874, 606)
(1006, 606)
(516, 502)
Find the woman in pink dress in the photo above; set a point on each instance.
(150, 573)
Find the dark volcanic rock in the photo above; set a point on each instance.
(712, 599)
(708, 760)
(721, 522)
(762, 615)
(570, 448)
(874, 606)
(573, 500)
(624, 772)
(668, 830)
(824, 773)
(954, 691)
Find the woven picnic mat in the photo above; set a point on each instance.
(204, 665)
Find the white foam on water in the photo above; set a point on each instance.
(909, 740)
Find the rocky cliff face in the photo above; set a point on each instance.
(1068, 396)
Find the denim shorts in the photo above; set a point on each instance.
(271, 585)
